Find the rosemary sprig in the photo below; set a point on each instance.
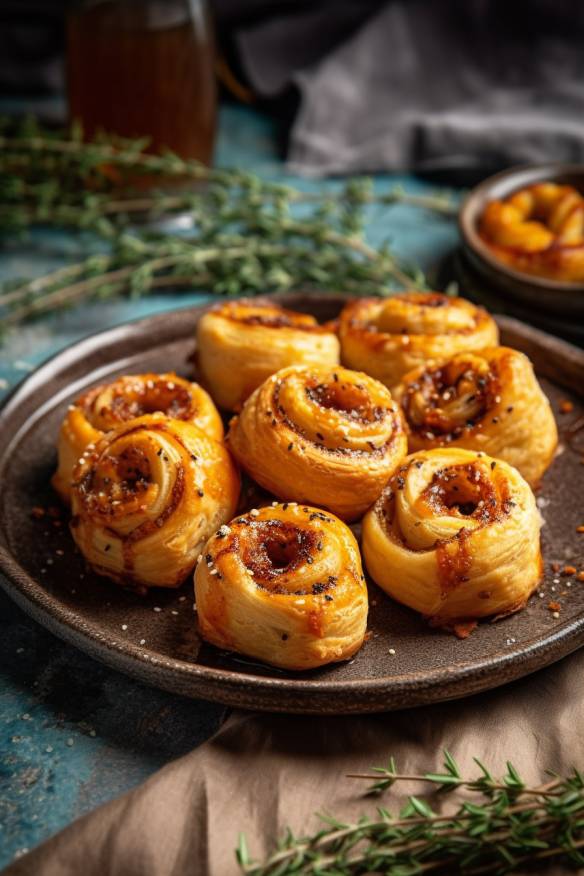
(511, 827)
(249, 235)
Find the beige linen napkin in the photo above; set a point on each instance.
(260, 773)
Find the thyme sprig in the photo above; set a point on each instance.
(511, 827)
(247, 235)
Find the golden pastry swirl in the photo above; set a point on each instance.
(455, 536)
(108, 406)
(146, 497)
(319, 434)
(488, 401)
(387, 337)
(241, 343)
(538, 230)
(284, 585)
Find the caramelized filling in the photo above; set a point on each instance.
(133, 399)
(281, 552)
(454, 561)
(424, 299)
(450, 400)
(118, 479)
(273, 550)
(270, 317)
(350, 399)
(463, 491)
(174, 401)
(270, 320)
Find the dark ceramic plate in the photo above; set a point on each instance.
(48, 579)
(557, 298)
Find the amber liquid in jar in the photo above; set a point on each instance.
(137, 74)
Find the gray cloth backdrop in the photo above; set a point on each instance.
(425, 84)
(434, 84)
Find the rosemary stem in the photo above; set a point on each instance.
(494, 786)
(38, 285)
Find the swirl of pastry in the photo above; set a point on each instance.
(108, 406)
(320, 434)
(146, 497)
(538, 230)
(387, 337)
(489, 401)
(241, 343)
(455, 536)
(285, 585)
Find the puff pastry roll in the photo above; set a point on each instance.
(455, 536)
(108, 406)
(146, 497)
(538, 230)
(284, 585)
(387, 337)
(488, 401)
(319, 434)
(241, 343)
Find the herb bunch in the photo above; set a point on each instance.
(247, 235)
(505, 826)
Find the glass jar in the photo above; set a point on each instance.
(144, 68)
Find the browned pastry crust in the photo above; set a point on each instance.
(146, 497)
(488, 400)
(322, 435)
(284, 585)
(387, 337)
(112, 404)
(455, 536)
(241, 343)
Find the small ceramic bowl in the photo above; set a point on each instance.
(555, 297)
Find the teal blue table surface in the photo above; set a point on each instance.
(73, 733)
